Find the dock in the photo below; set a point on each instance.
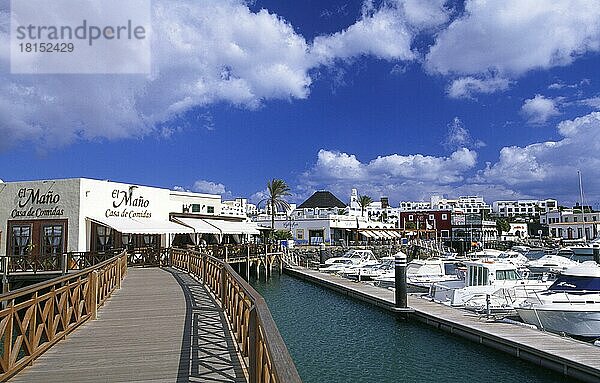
(175, 332)
(572, 358)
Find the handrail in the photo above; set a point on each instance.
(255, 331)
(34, 318)
(59, 262)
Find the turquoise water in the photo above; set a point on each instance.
(334, 339)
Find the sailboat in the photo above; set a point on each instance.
(587, 249)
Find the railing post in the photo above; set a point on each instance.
(223, 288)
(94, 294)
(252, 345)
(64, 263)
(226, 254)
(119, 273)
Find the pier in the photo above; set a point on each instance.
(566, 356)
(191, 319)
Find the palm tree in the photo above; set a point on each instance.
(364, 201)
(277, 189)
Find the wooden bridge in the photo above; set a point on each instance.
(192, 319)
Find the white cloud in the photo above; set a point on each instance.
(467, 87)
(382, 35)
(459, 137)
(389, 175)
(561, 85)
(209, 187)
(550, 168)
(386, 32)
(539, 109)
(203, 52)
(514, 36)
(593, 102)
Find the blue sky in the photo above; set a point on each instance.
(402, 98)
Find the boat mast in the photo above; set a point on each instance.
(582, 205)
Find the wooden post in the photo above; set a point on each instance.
(252, 345)
(119, 273)
(64, 265)
(93, 291)
(247, 267)
(223, 288)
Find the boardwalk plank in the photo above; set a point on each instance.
(162, 326)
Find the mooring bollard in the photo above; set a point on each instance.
(322, 254)
(400, 269)
(597, 254)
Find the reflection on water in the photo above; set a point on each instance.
(334, 339)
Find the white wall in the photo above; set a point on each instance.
(18, 203)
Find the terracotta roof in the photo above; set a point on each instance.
(322, 199)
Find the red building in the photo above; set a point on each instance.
(438, 221)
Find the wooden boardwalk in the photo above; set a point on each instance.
(161, 326)
(565, 355)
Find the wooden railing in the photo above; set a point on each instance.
(34, 318)
(62, 262)
(264, 351)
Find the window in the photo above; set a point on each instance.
(503, 275)
(445, 233)
(52, 240)
(431, 217)
(127, 241)
(195, 208)
(410, 217)
(300, 234)
(210, 209)
(104, 238)
(20, 242)
(444, 217)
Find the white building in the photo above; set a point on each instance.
(530, 207)
(55, 216)
(467, 205)
(572, 224)
(376, 211)
(320, 219)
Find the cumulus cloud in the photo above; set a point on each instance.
(387, 175)
(512, 37)
(550, 168)
(209, 187)
(203, 52)
(539, 170)
(506, 39)
(539, 109)
(467, 87)
(459, 137)
(386, 32)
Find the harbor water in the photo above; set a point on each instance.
(335, 339)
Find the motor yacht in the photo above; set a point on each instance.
(370, 272)
(498, 283)
(571, 305)
(422, 273)
(550, 264)
(586, 249)
(353, 259)
(354, 255)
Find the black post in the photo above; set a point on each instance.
(322, 254)
(400, 263)
(597, 254)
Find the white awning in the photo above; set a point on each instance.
(142, 225)
(199, 225)
(366, 233)
(376, 235)
(230, 227)
(396, 234)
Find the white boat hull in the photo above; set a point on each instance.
(579, 323)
